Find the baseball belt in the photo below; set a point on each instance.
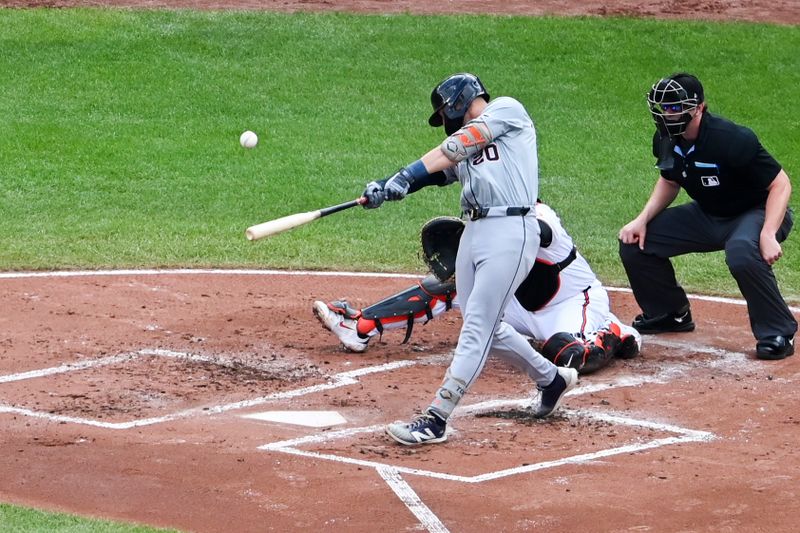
(476, 213)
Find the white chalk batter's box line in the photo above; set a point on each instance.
(391, 473)
(428, 520)
(723, 357)
(683, 435)
(302, 273)
(341, 379)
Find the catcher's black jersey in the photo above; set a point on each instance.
(726, 171)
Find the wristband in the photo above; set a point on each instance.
(417, 169)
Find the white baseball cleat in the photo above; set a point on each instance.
(550, 397)
(333, 318)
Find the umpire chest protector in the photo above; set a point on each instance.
(726, 171)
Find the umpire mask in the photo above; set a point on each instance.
(452, 98)
(671, 101)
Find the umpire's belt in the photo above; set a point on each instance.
(476, 213)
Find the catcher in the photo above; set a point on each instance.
(561, 305)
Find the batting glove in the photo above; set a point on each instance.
(398, 185)
(374, 194)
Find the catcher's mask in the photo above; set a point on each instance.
(452, 98)
(672, 101)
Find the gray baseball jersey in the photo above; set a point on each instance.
(496, 251)
(506, 172)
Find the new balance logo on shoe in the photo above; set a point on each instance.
(422, 436)
(424, 429)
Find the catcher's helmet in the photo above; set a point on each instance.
(671, 100)
(452, 97)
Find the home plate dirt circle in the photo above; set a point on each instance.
(214, 401)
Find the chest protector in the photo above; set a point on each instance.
(543, 282)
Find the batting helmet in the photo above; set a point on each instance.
(452, 97)
(672, 99)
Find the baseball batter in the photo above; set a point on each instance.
(491, 150)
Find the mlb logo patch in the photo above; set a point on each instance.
(710, 181)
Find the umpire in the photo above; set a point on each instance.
(739, 203)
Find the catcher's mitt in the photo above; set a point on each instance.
(440, 238)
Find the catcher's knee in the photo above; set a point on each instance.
(417, 302)
(563, 349)
(432, 286)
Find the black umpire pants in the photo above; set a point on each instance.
(688, 229)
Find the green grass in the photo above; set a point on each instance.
(119, 143)
(19, 519)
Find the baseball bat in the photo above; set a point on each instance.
(271, 227)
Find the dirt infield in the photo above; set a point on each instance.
(774, 11)
(127, 396)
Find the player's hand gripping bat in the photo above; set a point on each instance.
(265, 229)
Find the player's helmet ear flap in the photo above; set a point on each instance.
(671, 101)
(452, 98)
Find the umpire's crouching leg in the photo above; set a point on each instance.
(652, 280)
(768, 312)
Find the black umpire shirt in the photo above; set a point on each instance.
(726, 171)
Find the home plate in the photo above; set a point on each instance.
(316, 419)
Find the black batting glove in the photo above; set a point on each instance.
(398, 185)
(374, 194)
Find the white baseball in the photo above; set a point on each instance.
(248, 139)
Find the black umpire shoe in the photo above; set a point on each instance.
(774, 348)
(667, 323)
